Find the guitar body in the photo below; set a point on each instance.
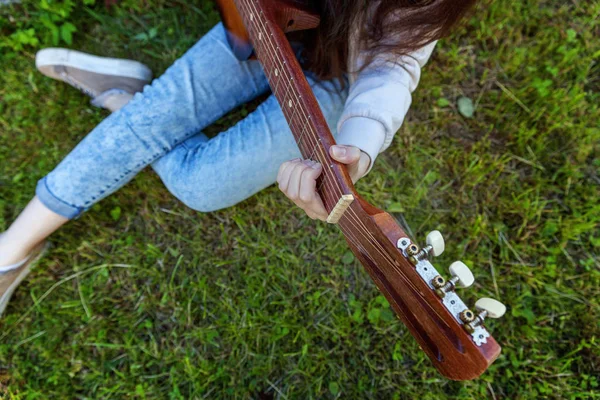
(237, 35)
(290, 16)
(456, 349)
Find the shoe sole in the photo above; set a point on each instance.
(90, 63)
(38, 253)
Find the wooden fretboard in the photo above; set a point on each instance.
(294, 95)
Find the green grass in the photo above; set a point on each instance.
(143, 298)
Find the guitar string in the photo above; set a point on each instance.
(374, 244)
(355, 222)
(353, 239)
(330, 197)
(317, 146)
(408, 282)
(405, 277)
(275, 60)
(335, 185)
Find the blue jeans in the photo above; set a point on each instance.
(162, 126)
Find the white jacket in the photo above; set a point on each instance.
(379, 98)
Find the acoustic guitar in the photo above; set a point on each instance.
(453, 336)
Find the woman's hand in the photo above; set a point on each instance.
(298, 178)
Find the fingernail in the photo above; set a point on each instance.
(315, 165)
(339, 151)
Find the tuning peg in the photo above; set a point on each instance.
(461, 277)
(435, 243)
(488, 308)
(435, 246)
(492, 308)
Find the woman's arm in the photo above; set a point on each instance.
(378, 101)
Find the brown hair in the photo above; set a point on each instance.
(395, 27)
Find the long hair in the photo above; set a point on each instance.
(393, 27)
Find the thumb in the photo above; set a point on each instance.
(345, 154)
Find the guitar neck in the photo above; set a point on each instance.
(293, 92)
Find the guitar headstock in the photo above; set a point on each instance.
(449, 332)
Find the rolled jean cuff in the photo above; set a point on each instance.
(55, 204)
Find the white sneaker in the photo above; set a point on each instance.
(110, 82)
(9, 280)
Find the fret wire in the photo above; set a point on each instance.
(277, 85)
(332, 200)
(315, 148)
(276, 89)
(272, 73)
(302, 128)
(303, 132)
(259, 46)
(326, 169)
(294, 114)
(291, 119)
(285, 106)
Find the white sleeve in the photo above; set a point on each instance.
(379, 100)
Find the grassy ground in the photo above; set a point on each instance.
(143, 298)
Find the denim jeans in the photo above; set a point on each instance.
(162, 127)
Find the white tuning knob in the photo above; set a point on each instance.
(435, 243)
(492, 308)
(462, 275)
(488, 308)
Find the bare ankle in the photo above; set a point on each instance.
(12, 251)
(35, 223)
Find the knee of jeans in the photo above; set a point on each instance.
(197, 197)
